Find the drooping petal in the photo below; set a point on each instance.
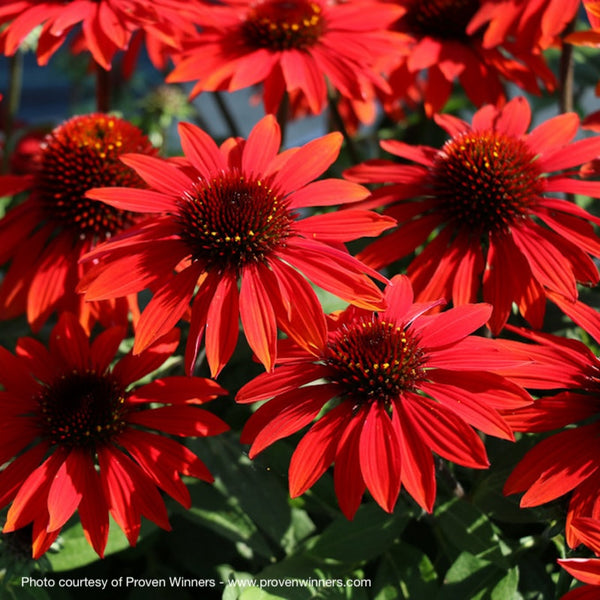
(258, 316)
(347, 477)
(446, 434)
(317, 449)
(380, 457)
(418, 468)
(284, 415)
(222, 323)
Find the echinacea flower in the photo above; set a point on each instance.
(44, 236)
(586, 570)
(231, 213)
(440, 49)
(494, 197)
(394, 386)
(566, 461)
(103, 26)
(298, 46)
(532, 25)
(77, 435)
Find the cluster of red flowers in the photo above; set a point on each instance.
(243, 232)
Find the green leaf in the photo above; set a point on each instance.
(76, 551)
(364, 538)
(470, 577)
(405, 572)
(224, 516)
(254, 491)
(506, 588)
(468, 529)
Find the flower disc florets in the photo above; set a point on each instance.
(375, 360)
(82, 409)
(485, 180)
(233, 220)
(80, 154)
(446, 19)
(284, 25)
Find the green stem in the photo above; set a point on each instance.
(566, 73)
(12, 102)
(226, 113)
(283, 114)
(103, 89)
(339, 124)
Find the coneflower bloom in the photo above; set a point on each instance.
(44, 236)
(532, 25)
(586, 570)
(440, 49)
(394, 386)
(103, 26)
(298, 46)
(494, 196)
(565, 462)
(231, 213)
(77, 435)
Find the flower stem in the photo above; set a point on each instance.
(283, 114)
(338, 122)
(13, 100)
(226, 113)
(103, 89)
(566, 73)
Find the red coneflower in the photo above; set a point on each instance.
(297, 46)
(440, 48)
(566, 461)
(397, 385)
(80, 437)
(44, 236)
(532, 25)
(103, 26)
(230, 214)
(494, 195)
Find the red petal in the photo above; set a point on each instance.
(547, 264)
(93, 512)
(553, 134)
(177, 390)
(261, 147)
(555, 466)
(317, 449)
(284, 415)
(418, 468)
(207, 285)
(471, 408)
(180, 420)
(583, 569)
(452, 325)
(347, 478)
(344, 226)
(31, 499)
(166, 308)
(445, 433)
(310, 161)
(301, 316)
(399, 299)
(327, 192)
(133, 367)
(133, 199)
(283, 379)
(380, 457)
(258, 316)
(222, 323)
(159, 173)
(202, 151)
(573, 155)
